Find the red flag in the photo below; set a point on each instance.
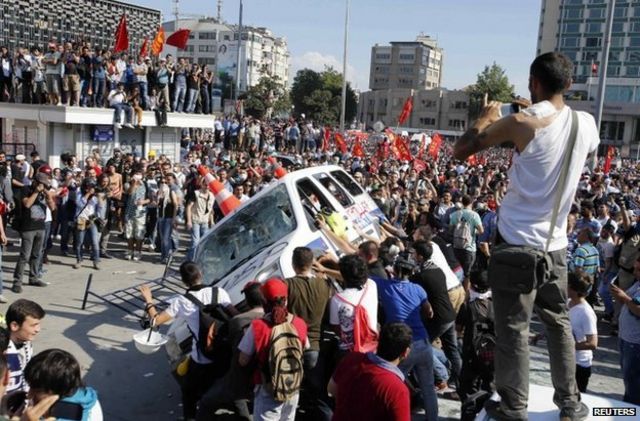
(594, 69)
(472, 160)
(434, 146)
(373, 167)
(158, 42)
(143, 49)
(406, 110)
(357, 149)
(122, 35)
(611, 152)
(327, 136)
(401, 150)
(179, 38)
(419, 165)
(340, 143)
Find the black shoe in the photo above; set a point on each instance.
(574, 414)
(106, 255)
(17, 288)
(39, 283)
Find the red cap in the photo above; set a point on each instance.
(274, 288)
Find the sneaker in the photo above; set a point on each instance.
(3, 300)
(76, 265)
(137, 257)
(118, 125)
(494, 412)
(575, 414)
(96, 265)
(39, 283)
(129, 256)
(16, 288)
(129, 125)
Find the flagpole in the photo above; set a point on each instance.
(344, 68)
(603, 73)
(235, 96)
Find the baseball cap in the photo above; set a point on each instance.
(274, 288)
(20, 157)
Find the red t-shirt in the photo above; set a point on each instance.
(368, 391)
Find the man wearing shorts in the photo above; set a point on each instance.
(135, 215)
(53, 66)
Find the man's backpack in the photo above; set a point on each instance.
(628, 252)
(484, 338)
(364, 338)
(284, 368)
(462, 233)
(213, 341)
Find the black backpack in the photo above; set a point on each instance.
(213, 341)
(484, 338)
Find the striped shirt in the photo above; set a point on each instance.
(587, 258)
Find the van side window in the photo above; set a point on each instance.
(347, 182)
(313, 201)
(338, 192)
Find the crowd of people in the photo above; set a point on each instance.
(380, 329)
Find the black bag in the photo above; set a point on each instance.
(517, 269)
(213, 341)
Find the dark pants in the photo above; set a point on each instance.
(512, 316)
(447, 334)
(582, 377)
(31, 250)
(313, 394)
(197, 381)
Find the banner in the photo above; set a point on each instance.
(143, 49)
(357, 149)
(340, 142)
(419, 165)
(434, 146)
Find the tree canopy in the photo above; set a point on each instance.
(492, 81)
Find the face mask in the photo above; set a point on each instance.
(137, 177)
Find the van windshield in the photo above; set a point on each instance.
(245, 234)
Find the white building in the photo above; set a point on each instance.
(216, 44)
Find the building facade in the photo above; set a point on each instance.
(406, 65)
(433, 109)
(216, 44)
(27, 23)
(577, 29)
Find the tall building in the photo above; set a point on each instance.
(577, 28)
(406, 65)
(216, 44)
(35, 22)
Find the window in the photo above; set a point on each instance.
(383, 56)
(427, 121)
(458, 124)
(206, 61)
(633, 71)
(573, 55)
(597, 13)
(207, 48)
(347, 182)
(207, 35)
(428, 103)
(617, 41)
(634, 42)
(406, 70)
(633, 56)
(613, 71)
(621, 12)
(573, 13)
(571, 28)
(382, 69)
(227, 38)
(573, 2)
(460, 105)
(616, 55)
(593, 28)
(612, 130)
(617, 27)
(590, 55)
(593, 42)
(407, 57)
(570, 41)
(336, 191)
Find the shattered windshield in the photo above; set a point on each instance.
(245, 234)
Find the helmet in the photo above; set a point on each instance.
(45, 168)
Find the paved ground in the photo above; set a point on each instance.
(133, 386)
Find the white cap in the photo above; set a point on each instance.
(20, 157)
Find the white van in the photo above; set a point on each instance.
(256, 241)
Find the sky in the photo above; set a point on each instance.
(473, 33)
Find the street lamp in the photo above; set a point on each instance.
(344, 67)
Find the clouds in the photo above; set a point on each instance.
(317, 61)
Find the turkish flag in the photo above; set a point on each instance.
(434, 147)
(406, 110)
(419, 165)
(122, 35)
(472, 160)
(340, 142)
(143, 49)
(158, 42)
(325, 140)
(357, 149)
(401, 150)
(611, 152)
(179, 38)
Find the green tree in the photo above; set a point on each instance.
(261, 98)
(318, 95)
(494, 82)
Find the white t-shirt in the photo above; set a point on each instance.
(583, 323)
(341, 313)
(607, 248)
(181, 308)
(437, 257)
(608, 220)
(525, 212)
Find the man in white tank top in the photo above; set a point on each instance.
(540, 134)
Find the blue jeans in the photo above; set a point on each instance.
(191, 100)
(440, 363)
(603, 290)
(144, 94)
(630, 364)
(127, 112)
(197, 231)
(84, 92)
(94, 238)
(313, 394)
(178, 100)
(165, 227)
(420, 360)
(98, 92)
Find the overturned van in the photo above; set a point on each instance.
(256, 241)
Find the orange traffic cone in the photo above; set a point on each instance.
(278, 171)
(226, 200)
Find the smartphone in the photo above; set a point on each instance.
(508, 109)
(614, 281)
(66, 410)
